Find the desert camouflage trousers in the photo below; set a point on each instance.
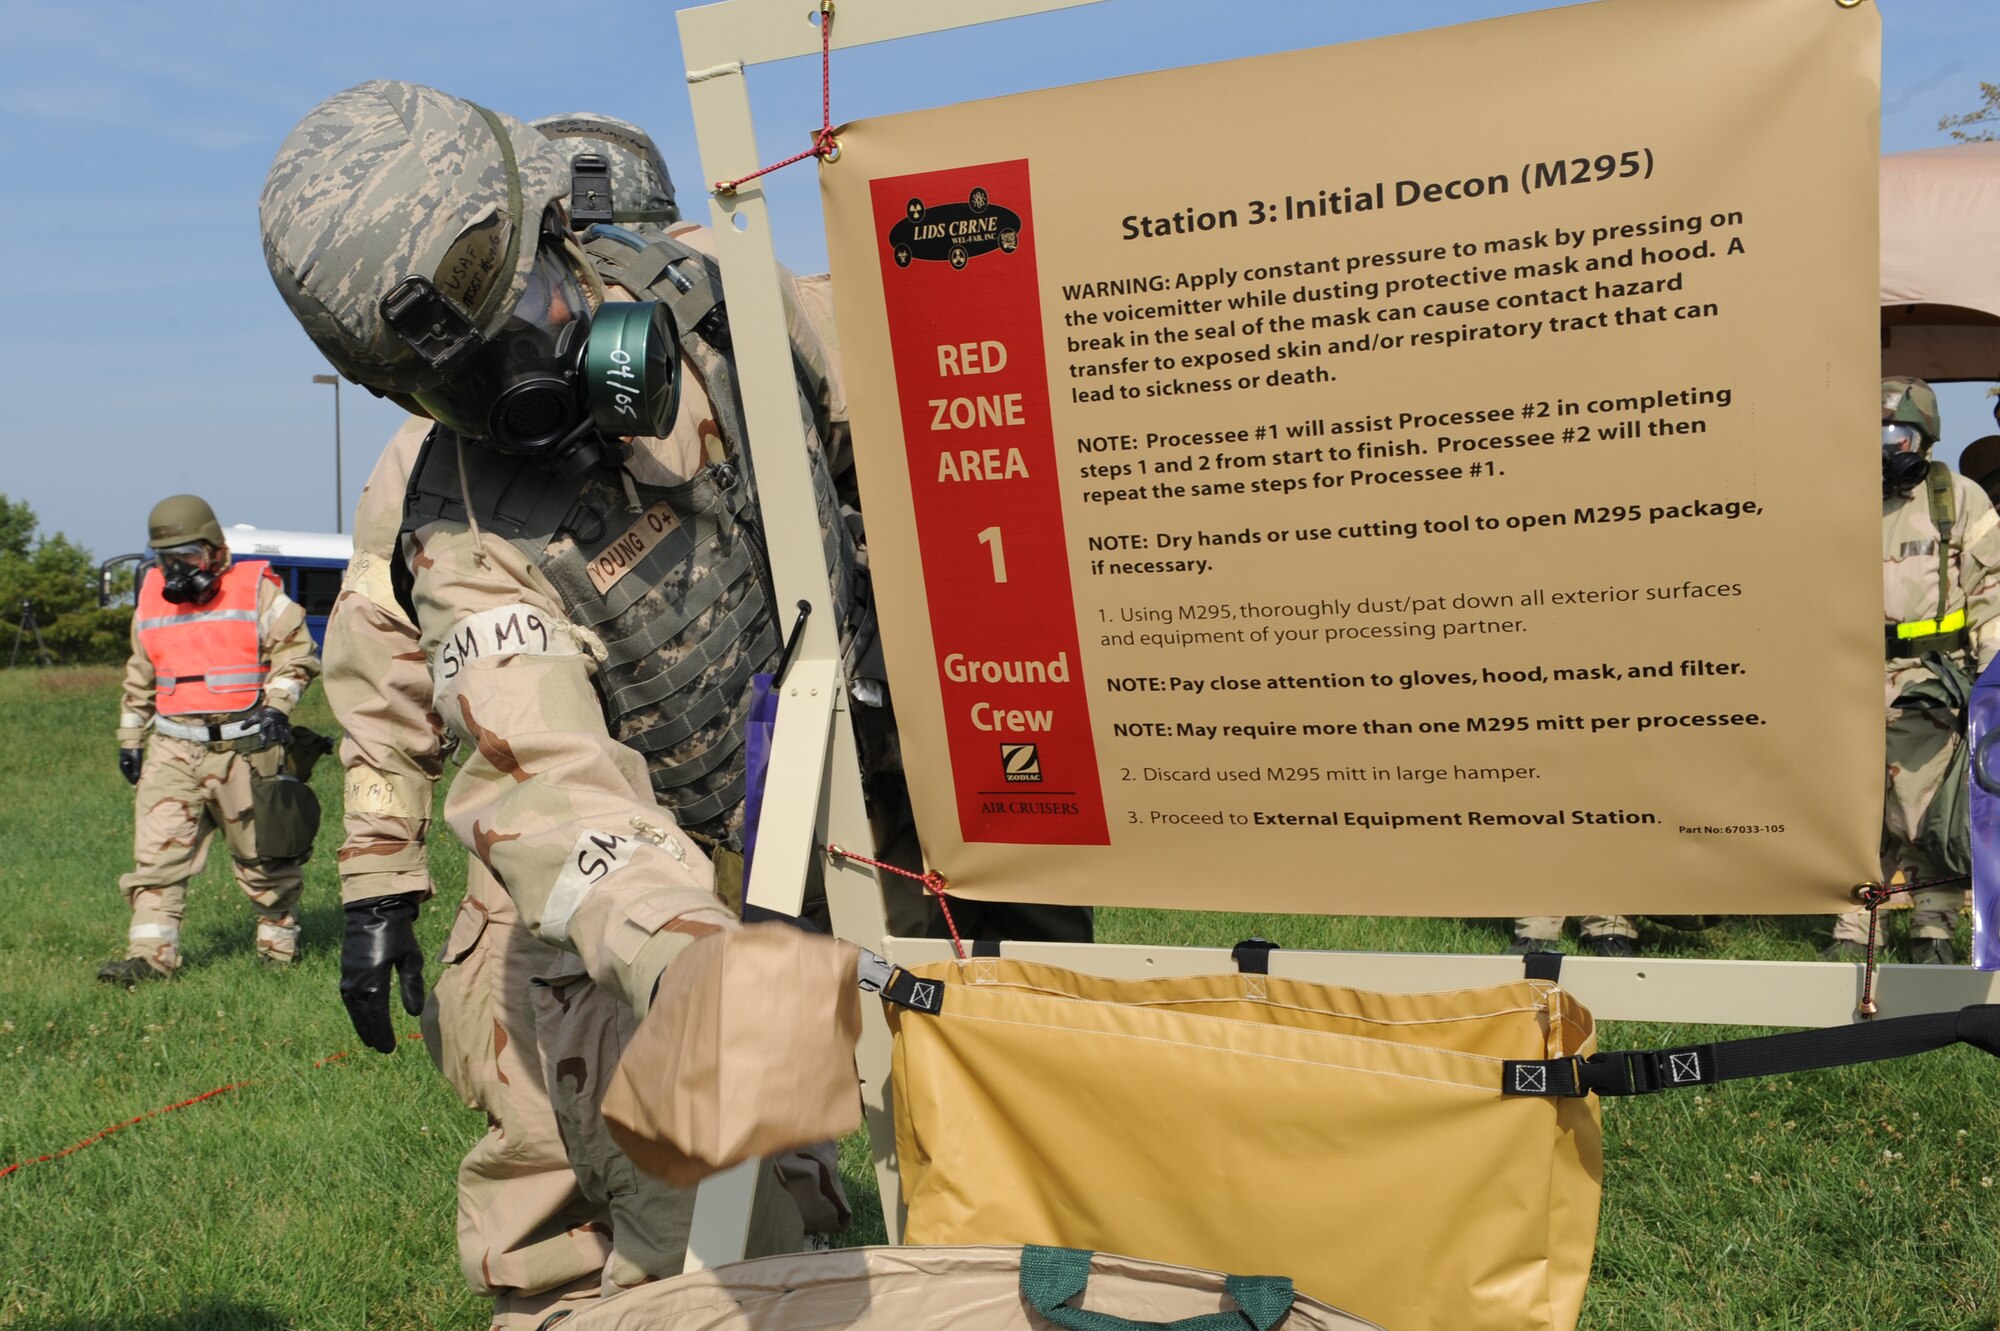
(186, 790)
(550, 1213)
(1921, 742)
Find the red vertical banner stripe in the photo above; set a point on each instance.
(957, 249)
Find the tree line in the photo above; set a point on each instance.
(58, 579)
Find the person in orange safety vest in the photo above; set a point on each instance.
(220, 657)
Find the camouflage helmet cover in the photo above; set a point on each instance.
(1913, 402)
(180, 519)
(641, 189)
(392, 180)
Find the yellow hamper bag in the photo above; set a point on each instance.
(1356, 1142)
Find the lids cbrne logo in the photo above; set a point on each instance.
(954, 233)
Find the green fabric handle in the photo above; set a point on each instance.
(1051, 1277)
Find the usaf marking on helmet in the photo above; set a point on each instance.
(954, 233)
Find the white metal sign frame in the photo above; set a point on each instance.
(814, 791)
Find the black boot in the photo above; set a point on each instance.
(128, 971)
(1933, 952)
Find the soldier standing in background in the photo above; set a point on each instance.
(1941, 626)
(220, 657)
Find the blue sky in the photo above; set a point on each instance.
(145, 351)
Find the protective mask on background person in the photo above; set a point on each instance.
(557, 375)
(1905, 458)
(185, 576)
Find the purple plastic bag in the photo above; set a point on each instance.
(760, 726)
(1983, 808)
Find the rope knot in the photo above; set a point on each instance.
(931, 880)
(824, 145)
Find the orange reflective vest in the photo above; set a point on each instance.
(206, 658)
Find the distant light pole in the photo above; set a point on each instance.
(339, 496)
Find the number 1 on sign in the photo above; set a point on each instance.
(991, 536)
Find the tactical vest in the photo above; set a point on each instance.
(1947, 633)
(675, 580)
(689, 283)
(206, 658)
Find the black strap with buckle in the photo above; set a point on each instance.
(1253, 956)
(1539, 965)
(1644, 1071)
(914, 992)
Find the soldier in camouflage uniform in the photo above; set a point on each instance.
(527, 1237)
(526, 626)
(1941, 626)
(220, 657)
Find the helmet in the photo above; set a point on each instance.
(642, 192)
(182, 520)
(1909, 428)
(1912, 402)
(397, 189)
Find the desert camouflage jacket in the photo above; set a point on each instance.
(282, 639)
(562, 814)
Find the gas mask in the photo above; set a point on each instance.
(1905, 457)
(559, 381)
(185, 576)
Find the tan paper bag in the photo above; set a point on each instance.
(746, 1051)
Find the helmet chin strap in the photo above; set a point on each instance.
(593, 284)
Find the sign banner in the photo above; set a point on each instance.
(1425, 476)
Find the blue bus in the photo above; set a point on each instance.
(310, 564)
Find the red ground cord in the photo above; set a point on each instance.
(97, 1137)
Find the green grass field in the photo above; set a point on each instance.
(320, 1195)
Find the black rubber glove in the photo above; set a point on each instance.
(130, 762)
(381, 936)
(272, 726)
